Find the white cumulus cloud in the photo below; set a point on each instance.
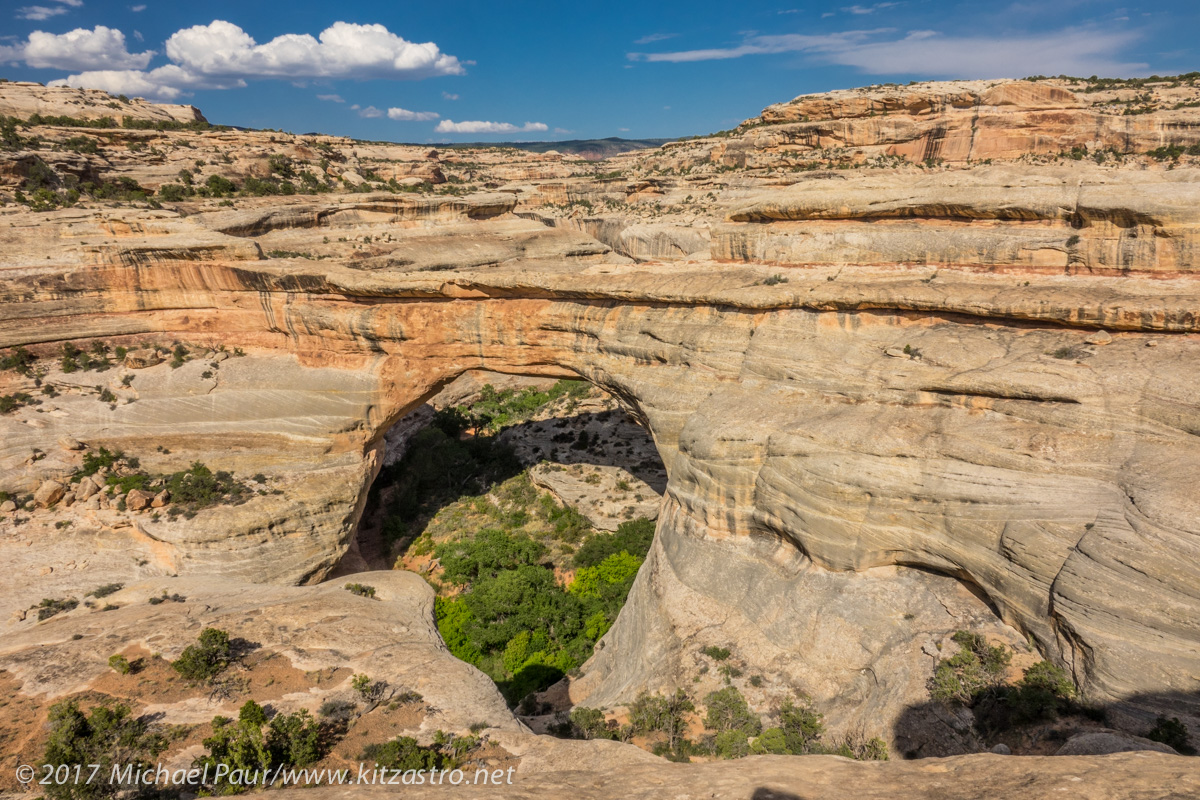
(479, 126)
(99, 48)
(332, 98)
(221, 55)
(404, 115)
(343, 50)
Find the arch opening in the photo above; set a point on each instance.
(514, 487)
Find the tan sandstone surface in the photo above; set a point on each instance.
(891, 402)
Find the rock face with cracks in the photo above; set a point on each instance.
(889, 406)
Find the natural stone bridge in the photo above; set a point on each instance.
(847, 449)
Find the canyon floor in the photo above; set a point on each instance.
(905, 375)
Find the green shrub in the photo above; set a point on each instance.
(250, 743)
(772, 741)
(360, 589)
(120, 664)
(217, 186)
(661, 714)
(716, 653)
(1042, 693)
(94, 462)
(174, 193)
(49, 608)
(590, 723)
(108, 736)
(1172, 733)
(362, 684)
(731, 744)
(404, 753)
(727, 710)
(199, 487)
(207, 658)
(81, 144)
(11, 402)
(802, 726)
(975, 669)
(19, 360)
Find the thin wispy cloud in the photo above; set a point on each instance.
(862, 10)
(884, 51)
(331, 98)
(480, 126)
(448, 96)
(40, 13)
(137, 9)
(655, 37)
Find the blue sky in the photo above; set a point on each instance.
(467, 70)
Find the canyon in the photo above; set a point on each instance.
(916, 359)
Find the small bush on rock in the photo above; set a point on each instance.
(206, 659)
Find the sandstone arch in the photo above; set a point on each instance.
(854, 421)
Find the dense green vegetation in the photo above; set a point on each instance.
(514, 620)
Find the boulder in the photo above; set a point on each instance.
(70, 443)
(8, 506)
(138, 500)
(161, 499)
(49, 493)
(85, 489)
(92, 503)
(141, 359)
